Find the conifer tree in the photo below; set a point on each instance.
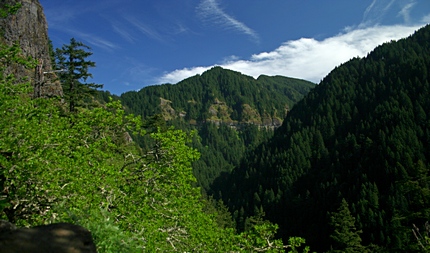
(72, 59)
(345, 236)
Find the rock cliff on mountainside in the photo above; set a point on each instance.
(28, 28)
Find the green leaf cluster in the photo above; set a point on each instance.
(84, 168)
(8, 9)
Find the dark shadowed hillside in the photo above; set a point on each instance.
(361, 135)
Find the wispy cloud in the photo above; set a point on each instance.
(210, 10)
(143, 28)
(122, 32)
(180, 28)
(405, 11)
(135, 72)
(426, 19)
(92, 39)
(306, 58)
(64, 12)
(99, 42)
(60, 15)
(375, 12)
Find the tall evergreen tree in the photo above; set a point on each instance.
(346, 237)
(72, 59)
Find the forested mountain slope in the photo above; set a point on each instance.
(231, 111)
(361, 135)
(221, 96)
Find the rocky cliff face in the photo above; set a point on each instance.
(29, 28)
(220, 113)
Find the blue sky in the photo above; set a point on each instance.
(136, 43)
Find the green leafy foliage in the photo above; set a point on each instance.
(8, 9)
(83, 168)
(260, 237)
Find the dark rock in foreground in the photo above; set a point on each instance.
(58, 238)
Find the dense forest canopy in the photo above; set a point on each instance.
(362, 135)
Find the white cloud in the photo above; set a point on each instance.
(211, 11)
(306, 58)
(180, 74)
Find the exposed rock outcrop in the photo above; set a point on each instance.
(29, 28)
(58, 238)
(166, 109)
(220, 113)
